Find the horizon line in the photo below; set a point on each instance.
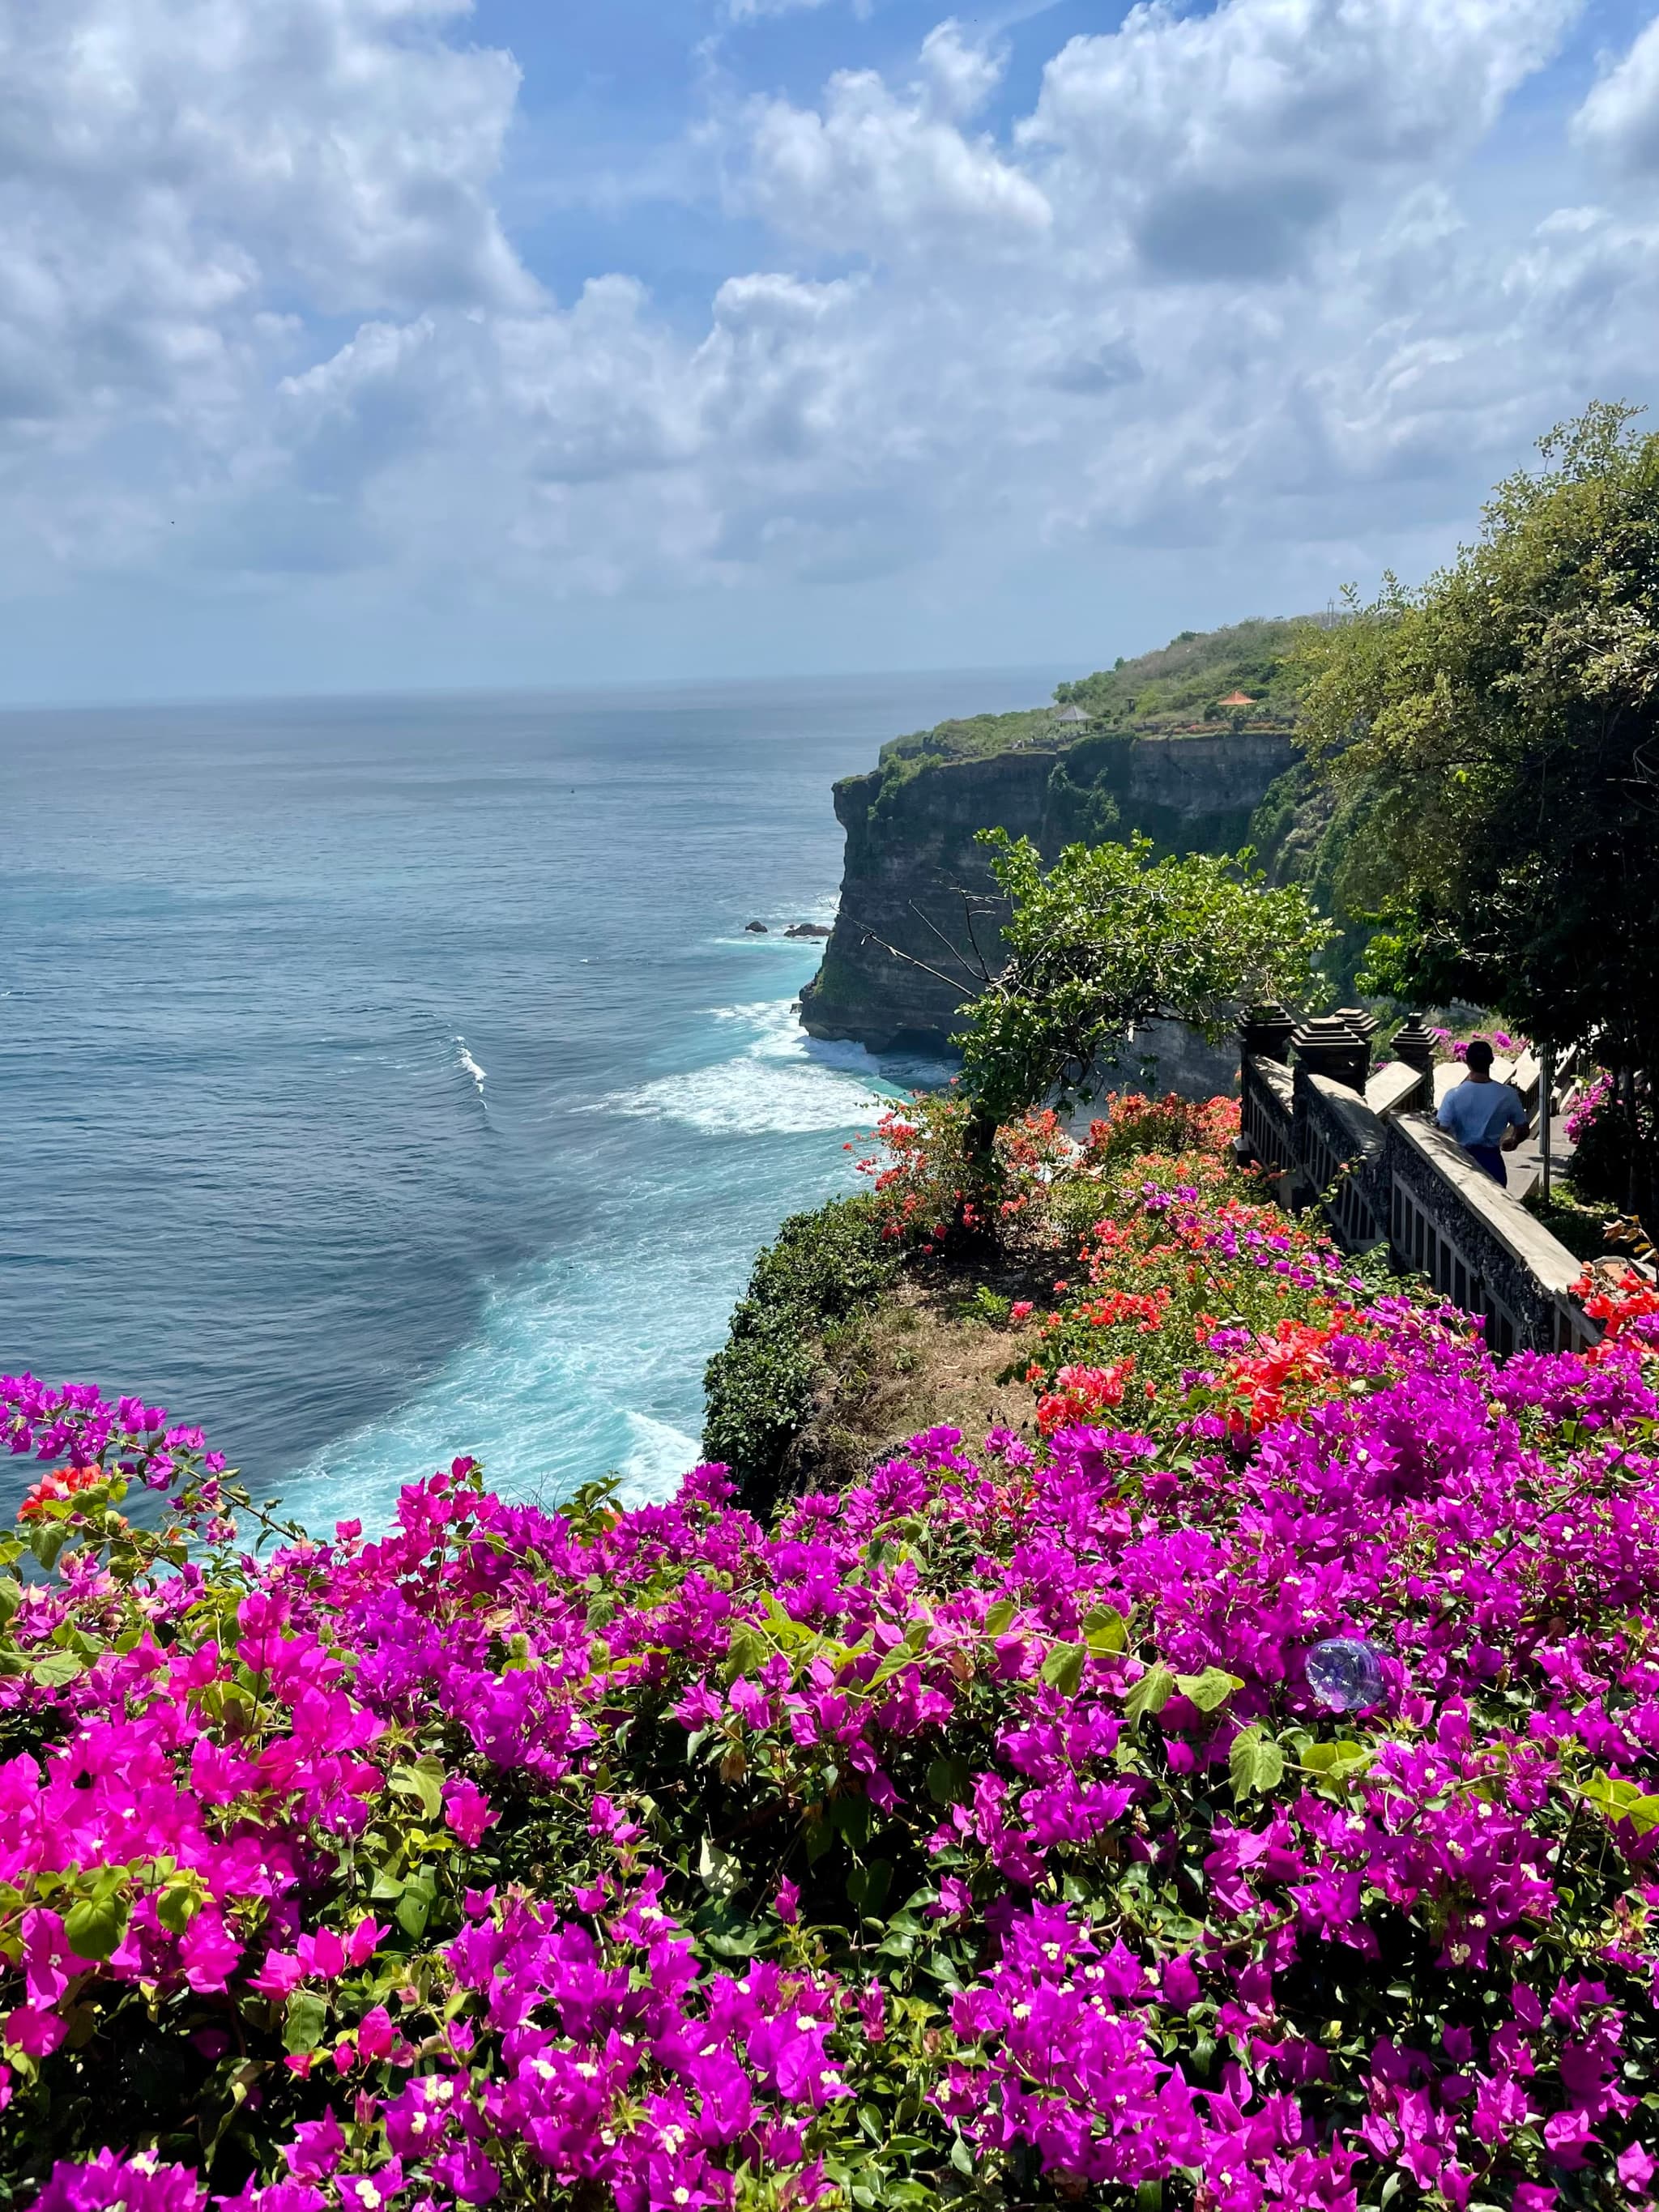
(162, 701)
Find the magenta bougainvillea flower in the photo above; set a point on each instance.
(1242, 1784)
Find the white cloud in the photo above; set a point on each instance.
(1224, 142)
(183, 182)
(959, 75)
(892, 172)
(1619, 120)
(260, 321)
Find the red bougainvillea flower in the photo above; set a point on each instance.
(1617, 1305)
(54, 1489)
(1080, 1392)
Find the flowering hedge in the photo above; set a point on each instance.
(1247, 1799)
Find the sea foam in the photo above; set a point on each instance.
(470, 1067)
(778, 1081)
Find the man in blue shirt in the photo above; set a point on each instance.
(1484, 1115)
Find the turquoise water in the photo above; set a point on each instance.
(384, 1079)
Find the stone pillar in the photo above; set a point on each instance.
(1363, 1024)
(1265, 1030)
(1329, 1047)
(1413, 1044)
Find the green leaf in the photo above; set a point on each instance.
(1209, 1691)
(1623, 1801)
(948, 1781)
(11, 1596)
(718, 1871)
(56, 1669)
(1000, 1618)
(423, 1781)
(902, 1654)
(1105, 1630)
(46, 1539)
(179, 1903)
(1255, 1763)
(735, 1943)
(961, 2157)
(304, 2018)
(1151, 1694)
(1337, 1761)
(414, 1907)
(97, 1923)
(747, 1652)
(1063, 1668)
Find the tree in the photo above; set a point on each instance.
(1106, 939)
(1504, 720)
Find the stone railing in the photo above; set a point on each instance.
(1386, 1173)
(1449, 1221)
(1339, 1148)
(1265, 1114)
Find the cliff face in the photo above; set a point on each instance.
(911, 856)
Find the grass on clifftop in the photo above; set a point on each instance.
(1155, 693)
(1187, 678)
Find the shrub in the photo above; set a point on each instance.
(922, 1186)
(1038, 1182)
(1133, 1123)
(1613, 1126)
(823, 1267)
(1580, 1228)
(1246, 1803)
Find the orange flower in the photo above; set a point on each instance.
(1081, 1392)
(52, 1489)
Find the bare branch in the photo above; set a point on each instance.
(973, 936)
(955, 951)
(950, 982)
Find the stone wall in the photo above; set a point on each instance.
(1388, 1175)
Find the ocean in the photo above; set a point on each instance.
(382, 1079)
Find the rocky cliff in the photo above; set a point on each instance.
(913, 869)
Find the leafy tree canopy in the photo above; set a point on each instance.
(1107, 939)
(1504, 720)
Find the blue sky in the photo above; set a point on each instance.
(394, 343)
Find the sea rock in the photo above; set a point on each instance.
(759, 927)
(807, 929)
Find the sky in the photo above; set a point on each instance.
(402, 344)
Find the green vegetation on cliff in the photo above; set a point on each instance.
(1306, 832)
(825, 1268)
(1190, 772)
(1179, 689)
(975, 737)
(1188, 679)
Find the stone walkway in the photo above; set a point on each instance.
(1526, 1160)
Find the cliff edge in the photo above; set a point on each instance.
(916, 886)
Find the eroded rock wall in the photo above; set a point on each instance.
(913, 866)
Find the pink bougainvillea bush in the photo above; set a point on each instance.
(1245, 1799)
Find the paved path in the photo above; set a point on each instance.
(1525, 1161)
